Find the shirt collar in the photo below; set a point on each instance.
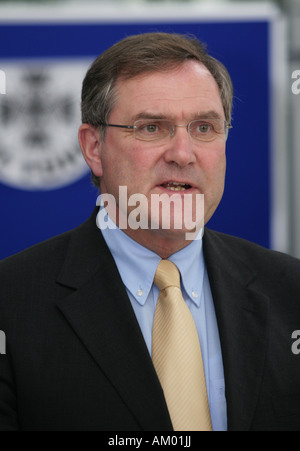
(137, 265)
(190, 262)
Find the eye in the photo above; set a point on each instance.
(204, 128)
(149, 129)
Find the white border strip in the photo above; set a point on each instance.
(280, 200)
(133, 12)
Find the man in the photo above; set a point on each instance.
(142, 328)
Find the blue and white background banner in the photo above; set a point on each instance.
(45, 186)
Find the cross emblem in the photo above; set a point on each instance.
(38, 127)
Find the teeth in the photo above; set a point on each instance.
(175, 186)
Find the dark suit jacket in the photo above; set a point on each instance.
(76, 358)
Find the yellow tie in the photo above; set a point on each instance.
(176, 354)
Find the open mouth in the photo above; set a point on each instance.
(176, 186)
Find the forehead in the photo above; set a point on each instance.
(187, 90)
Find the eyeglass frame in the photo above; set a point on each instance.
(227, 127)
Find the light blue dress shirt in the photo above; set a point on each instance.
(137, 267)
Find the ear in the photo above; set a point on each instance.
(90, 143)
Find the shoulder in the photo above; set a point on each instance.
(268, 263)
(44, 260)
(31, 264)
(246, 248)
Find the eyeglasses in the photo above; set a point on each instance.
(205, 130)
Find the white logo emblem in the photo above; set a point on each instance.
(39, 120)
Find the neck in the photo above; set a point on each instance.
(162, 242)
(158, 242)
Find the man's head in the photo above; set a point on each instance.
(157, 76)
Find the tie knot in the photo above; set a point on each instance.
(167, 275)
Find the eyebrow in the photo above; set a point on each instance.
(211, 114)
(145, 115)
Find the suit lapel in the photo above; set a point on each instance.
(101, 315)
(242, 315)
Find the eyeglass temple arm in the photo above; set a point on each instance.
(128, 127)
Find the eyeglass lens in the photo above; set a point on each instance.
(202, 130)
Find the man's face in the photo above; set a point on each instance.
(182, 96)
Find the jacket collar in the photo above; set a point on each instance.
(101, 315)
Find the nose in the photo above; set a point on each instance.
(180, 149)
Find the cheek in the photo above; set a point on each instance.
(214, 165)
(126, 163)
(221, 167)
(214, 169)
